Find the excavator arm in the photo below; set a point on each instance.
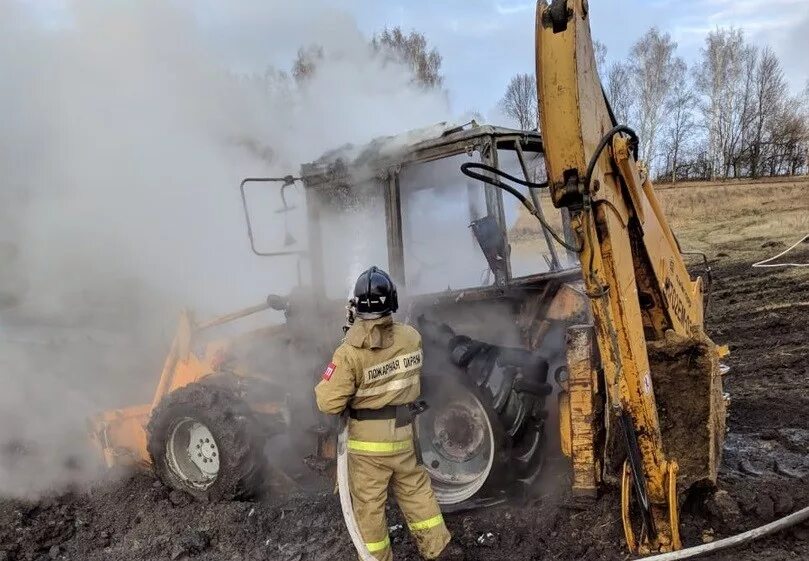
(641, 294)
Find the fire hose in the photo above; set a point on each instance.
(769, 262)
(734, 541)
(345, 493)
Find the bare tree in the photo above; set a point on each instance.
(751, 125)
(718, 80)
(789, 133)
(391, 44)
(306, 62)
(740, 130)
(520, 101)
(601, 57)
(412, 50)
(654, 67)
(619, 91)
(768, 97)
(680, 110)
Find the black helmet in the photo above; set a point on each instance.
(375, 293)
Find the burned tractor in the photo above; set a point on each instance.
(490, 290)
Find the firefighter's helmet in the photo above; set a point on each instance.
(375, 293)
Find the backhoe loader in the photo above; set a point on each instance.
(445, 237)
(595, 296)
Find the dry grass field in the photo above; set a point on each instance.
(708, 215)
(732, 218)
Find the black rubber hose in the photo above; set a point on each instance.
(603, 144)
(467, 168)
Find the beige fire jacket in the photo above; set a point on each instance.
(378, 364)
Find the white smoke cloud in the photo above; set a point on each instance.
(127, 128)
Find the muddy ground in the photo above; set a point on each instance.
(760, 313)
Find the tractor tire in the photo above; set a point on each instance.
(464, 448)
(205, 441)
(484, 434)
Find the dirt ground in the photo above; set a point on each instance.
(760, 313)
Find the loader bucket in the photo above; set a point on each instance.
(120, 435)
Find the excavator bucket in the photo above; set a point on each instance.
(691, 405)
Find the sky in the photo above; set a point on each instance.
(485, 42)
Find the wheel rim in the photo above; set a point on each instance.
(457, 444)
(192, 453)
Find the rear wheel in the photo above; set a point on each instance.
(459, 442)
(484, 434)
(204, 440)
(459, 449)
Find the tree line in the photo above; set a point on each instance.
(729, 115)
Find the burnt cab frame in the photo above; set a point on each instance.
(345, 168)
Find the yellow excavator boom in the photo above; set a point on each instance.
(643, 301)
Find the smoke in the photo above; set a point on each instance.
(127, 128)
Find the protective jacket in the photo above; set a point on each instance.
(378, 367)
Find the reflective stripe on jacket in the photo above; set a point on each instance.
(378, 364)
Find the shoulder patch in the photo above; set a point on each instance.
(329, 371)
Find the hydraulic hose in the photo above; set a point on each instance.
(602, 144)
(345, 494)
(734, 541)
(591, 166)
(467, 168)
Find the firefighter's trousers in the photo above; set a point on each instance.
(370, 476)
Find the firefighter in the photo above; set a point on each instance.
(375, 374)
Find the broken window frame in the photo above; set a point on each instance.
(486, 143)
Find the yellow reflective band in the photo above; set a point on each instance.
(373, 547)
(362, 446)
(427, 524)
